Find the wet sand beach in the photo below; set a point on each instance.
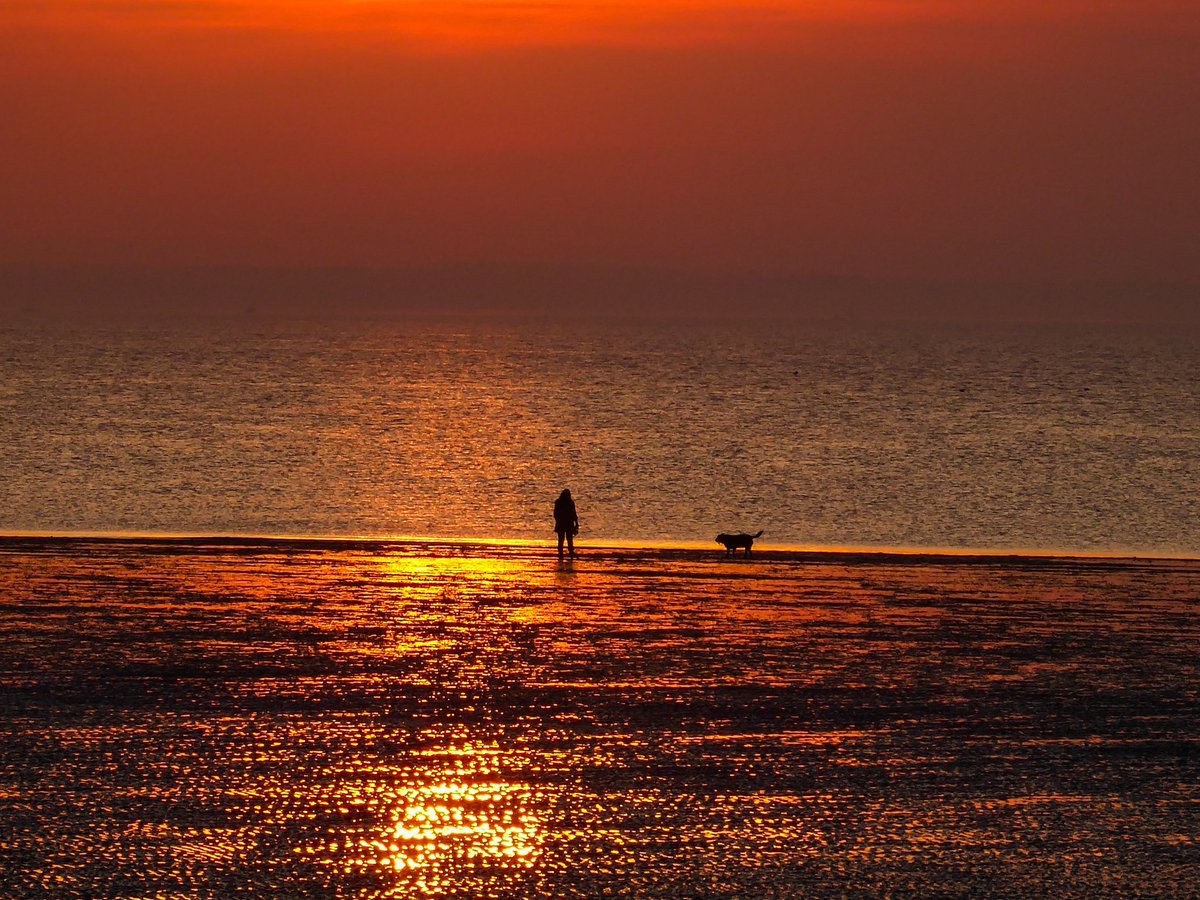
(251, 718)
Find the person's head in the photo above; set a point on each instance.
(565, 495)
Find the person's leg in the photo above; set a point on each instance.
(570, 543)
(560, 542)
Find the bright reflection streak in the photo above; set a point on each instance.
(456, 819)
(420, 567)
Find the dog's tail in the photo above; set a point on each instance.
(756, 535)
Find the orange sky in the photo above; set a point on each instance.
(883, 139)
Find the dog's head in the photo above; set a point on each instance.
(723, 538)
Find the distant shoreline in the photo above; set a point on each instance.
(63, 542)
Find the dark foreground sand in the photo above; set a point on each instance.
(277, 719)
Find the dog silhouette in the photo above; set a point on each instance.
(733, 541)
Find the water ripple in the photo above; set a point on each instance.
(387, 720)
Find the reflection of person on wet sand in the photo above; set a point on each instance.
(566, 521)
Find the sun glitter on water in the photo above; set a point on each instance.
(457, 813)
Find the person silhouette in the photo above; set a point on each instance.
(566, 521)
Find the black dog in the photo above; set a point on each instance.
(733, 541)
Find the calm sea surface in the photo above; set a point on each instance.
(418, 720)
(1045, 440)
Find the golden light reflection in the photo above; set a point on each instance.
(455, 819)
(433, 566)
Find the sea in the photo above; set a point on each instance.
(279, 615)
(200, 720)
(826, 435)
